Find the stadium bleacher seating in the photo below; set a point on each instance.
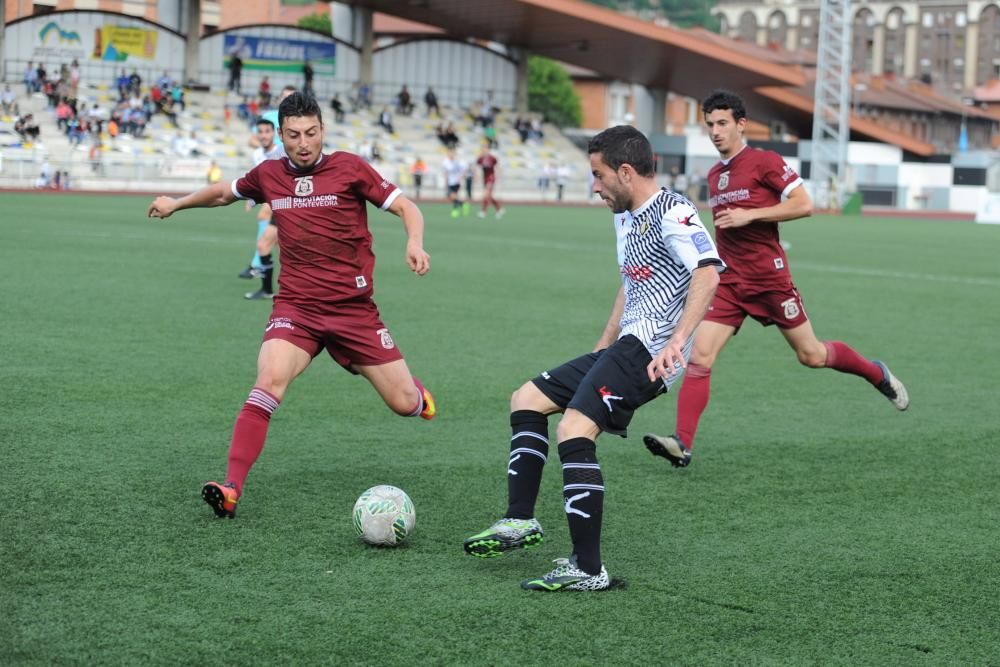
(150, 163)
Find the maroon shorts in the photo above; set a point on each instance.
(779, 304)
(352, 333)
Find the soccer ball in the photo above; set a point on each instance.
(384, 516)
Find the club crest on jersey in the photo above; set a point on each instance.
(387, 341)
(303, 186)
(791, 309)
(724, 180)
(644, 227)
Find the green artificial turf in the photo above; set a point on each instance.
(816, 525)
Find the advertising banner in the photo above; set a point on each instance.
(118, 43)
(272, 54)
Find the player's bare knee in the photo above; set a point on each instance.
(263, 248)
(272, 385)
(403, 399)
(527, 397)
(812, 358)
(575, 424)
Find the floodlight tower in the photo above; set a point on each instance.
(831, 123)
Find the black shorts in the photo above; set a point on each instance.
(453, 189)
(607, 386)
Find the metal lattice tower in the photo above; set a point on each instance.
(831, 128)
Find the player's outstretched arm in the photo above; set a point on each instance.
(217, 194)
(614, 325)
(413, 221)
(798, 205)
(704, 280)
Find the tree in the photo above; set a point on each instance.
(319, 22)
(551, 92)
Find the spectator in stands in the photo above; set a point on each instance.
(522, 126)
(544, 180)
(214, 173)
(307, 76)
(490, 134)
(404, 105)
(167, 109)
(418, 169)
(369, 151)
(177, 93)
(135, 83)
(235, 72)
(385, 120)
(31, 79)
(363, 96)
(182, 146)
(63, 115)
(40, 77)
(536, 130)
(338, 109)
(562, 178)
(27, 128)
(431, 100)
(447, 136)
(74, 78)
(45, 176)
(8, 101)
(264, 93)
(98, 117)
(163, 83)
(95, 156)
(121, 83)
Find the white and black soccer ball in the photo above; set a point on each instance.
(384, 516)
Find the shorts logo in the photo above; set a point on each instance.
(701, 242)
(361, 282)
(387, 341)
(303, 186)
(279, 323)
(792, 309)
(545, 374)
(607, 395)
(724, 180)
(779, 263)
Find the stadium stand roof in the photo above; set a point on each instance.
(600, 39)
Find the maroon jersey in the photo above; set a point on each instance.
(326, 247)
(753, 178)
(489, 165)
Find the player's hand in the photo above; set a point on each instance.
(733, 217)
(162, 207)
(665, 363)
(418, 260)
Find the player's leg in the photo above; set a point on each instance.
(530, 406)
(605, 400)
(710, 338)
(841, 357)
(487, 196)
(265, 246)
(255, 268)
(403, 393)
(279, 362)
(456, 203)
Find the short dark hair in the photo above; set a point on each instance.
(724, 100)
(623, 144)
(265, 121)
(297, 105)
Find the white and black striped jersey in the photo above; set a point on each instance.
(259, 154)
(659, 245)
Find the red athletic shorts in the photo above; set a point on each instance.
(352, 332)
(778, 304)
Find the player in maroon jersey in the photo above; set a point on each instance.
(750, 191)
(488, 162)
(325, 301)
